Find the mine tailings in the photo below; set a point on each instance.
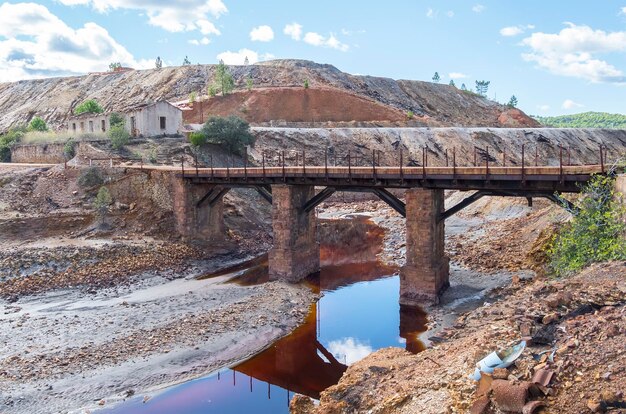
(357, 314)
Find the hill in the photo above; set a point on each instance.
(441, 105)
(585, 120)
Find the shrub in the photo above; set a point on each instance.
(249, 83)
(91, 177)
(192, 97)
(232, 133)
(119, 136)
(153, 155)
(595, 234)
(102, 202)
(37, 124)
(197, 139)
(89, 106)
(410, 114)
(69, 149)
(306, 84)
(116, 119)
(212, 90)
(8, 140)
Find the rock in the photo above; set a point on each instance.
(509, 396)
(550, 318)
(595, 406)
(500, 373)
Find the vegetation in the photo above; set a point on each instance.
(410, 114)
(102, 202)
(436, 77)
(115, 119)
(186, 61)
(37, 124)
(8, 140)
(246, 62)
(153, 155)
(452, 83)
(463, 87)
(232, 133)
(224, 78)
(585, 120)
(69, 149)
(119, 136)
(249, 83)
(595, 234)
(512, 102)
(212, 90)
(91, 177)
(482, 87)
(113, 66)
(89, 106)
(192, 97)
(158, 63)
(306, 84)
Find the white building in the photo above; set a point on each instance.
(151, 120)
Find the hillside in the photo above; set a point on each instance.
(54, 98)
(585, 120)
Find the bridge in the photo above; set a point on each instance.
(295, 191)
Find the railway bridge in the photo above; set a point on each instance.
(295, 191)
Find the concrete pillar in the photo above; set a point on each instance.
(192, 222)
(295, 253)
(426, 272)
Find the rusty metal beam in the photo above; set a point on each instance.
(318, 199)
(213, 196)
(264, 192)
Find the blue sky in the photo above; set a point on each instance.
(556, 56)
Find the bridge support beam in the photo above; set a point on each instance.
(198, 210)
(295, 253)
(426, 273)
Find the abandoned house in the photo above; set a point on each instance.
(150, 120)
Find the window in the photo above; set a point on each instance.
(82, 126)
(162, 122)
(104, 128)
(74, 126)
(133, 124)
(90, 126)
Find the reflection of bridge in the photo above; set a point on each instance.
(198, 207)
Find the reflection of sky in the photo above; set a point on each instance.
(349, 350)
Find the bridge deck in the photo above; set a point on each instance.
(540, 179)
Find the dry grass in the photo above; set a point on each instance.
(50, 137)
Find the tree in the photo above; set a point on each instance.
(249, 83)
(233, 133)
(224, 78)
(119, 136)
(197, 139)
(192, 97)
(102, 202)
(436, 77)
(158, 63)
(306, 84)
(89, 106)
(463, 87)
(69, 149)
(186, 61)
(113, 66)
(116, 119)
(246, 61)
(482, 87)
(212, 90)
(512, 102)
(37, 124)
(452, 83)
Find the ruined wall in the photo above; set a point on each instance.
(41, 153)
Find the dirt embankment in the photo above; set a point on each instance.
(54, 98)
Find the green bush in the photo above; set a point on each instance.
(410, 115)
(306, 84)
(89, 106)
(91, 177)
(197, 139)
(37, 124)
(232, 133)
(69, 149)
(102, 202)
(116, 119)
(119, 136)
(8, 140)
(595, 234)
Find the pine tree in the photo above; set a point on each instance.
(224, 78)
(246, 61)
(186, 62)
(452, 83)
(482, 87)
(512, 102)
(436, 77)
(158, 63)
(463, 87)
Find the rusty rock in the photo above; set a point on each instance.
(509, 396)
(480, 406)
(549, 318)
(532, 407)
(543, 377)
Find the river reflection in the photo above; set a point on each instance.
(358, 314)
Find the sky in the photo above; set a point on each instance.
(557, 57)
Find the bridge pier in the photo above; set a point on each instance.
(197, 216)
(295, 253)
(426, 272)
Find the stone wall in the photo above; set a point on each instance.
(38, 154)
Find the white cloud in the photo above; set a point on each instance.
(349, 350)
(569, 104)
(431, 14)
(511, 31)
(239, 58)
(34, 43)
(316, 39)
(207, 28)
(478, 8)
(262, 34)
(544, 108)
(573, 52)
(457, 75)
(203, 41)
(623, 11)
(450, 13)
(293, 30)
(173, 16)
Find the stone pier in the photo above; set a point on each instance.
(426, 273)
(201, 222)
(295, 253)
